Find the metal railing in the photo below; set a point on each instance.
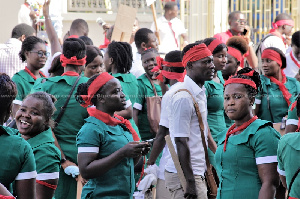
(111, 6)
(261, 13)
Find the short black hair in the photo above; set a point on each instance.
(219, 48)
(91, 53)
(142, 36)
(121, 53)
(56, 68)
(22, 29)
(296, 39)
(28, 44)
(80, 26)
(174, 56)
(231, 15)
(169, 5)
(154, 50)
(86, 40)
(282, 16)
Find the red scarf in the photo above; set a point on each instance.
(294, 59)
(231, 130)
(278, 34)
(196, 53)
(111, 121)
(73, 60)
(32, 75)
(282, 87)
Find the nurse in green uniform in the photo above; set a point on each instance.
(292, 119)
(34, 52)
(288, 161)
(94, 61)
(118, 62)
(214, 88)
(108, 146)
(73, 60)
(33, 121)
(278, 91)
(17, 159)
(246, 159)
(145, 90)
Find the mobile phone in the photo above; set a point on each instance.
(245, 31)
(150, 141)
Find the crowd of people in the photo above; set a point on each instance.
(74, 113)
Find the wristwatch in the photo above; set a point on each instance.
(63, 160)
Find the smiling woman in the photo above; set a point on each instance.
(34, 121)
(34, 53)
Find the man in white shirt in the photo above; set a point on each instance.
(170, 28)
(293, 57)
(144, 38)
(184, 126)
(282, 29)
(10, 62)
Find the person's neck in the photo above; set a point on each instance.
(140, 50)
(103, 108)
(169, 18)
(173, 81)
(234, 33)
(198, 82)
(244, 120)
(34, 71)
(73, 69)
(278, 76)
(114, 70)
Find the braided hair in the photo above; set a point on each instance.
(74, 47)
(27, 45)
(82, 89)
(255, 78)
(121, 53)
(8, 91)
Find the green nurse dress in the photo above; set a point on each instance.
(273, 106)
(17, 159)
(24, 83)
(130, 89)
(118, 182)
(145, 90)
(46, 154)
(237, 166)
(288, 160)
(292, 117)
(215, 117)
(68, 127)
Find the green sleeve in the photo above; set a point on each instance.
(141, 93)
(28, 158)
(281, 145)
(292, 114)
(21, 93)
(266, 143)
(47, 159)
(89, 136)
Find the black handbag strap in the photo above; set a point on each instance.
(63, 108)
(293, 179)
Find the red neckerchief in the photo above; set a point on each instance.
(170, 24)
(231, 130)
(294, 60)
(278, 34)
(32, 75)
(111, 121)
(282, 87)
(70, 73)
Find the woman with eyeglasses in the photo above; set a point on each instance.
(34, 52)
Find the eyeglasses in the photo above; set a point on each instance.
(241, 21)
(41, 53)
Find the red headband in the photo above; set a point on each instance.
(283, 22)
(235, 53)
(212, 46)
(240, 81)
(273, 55)
(173, 75)
(250, 74)
(73, 60)
(196, 53)
(102, 79)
